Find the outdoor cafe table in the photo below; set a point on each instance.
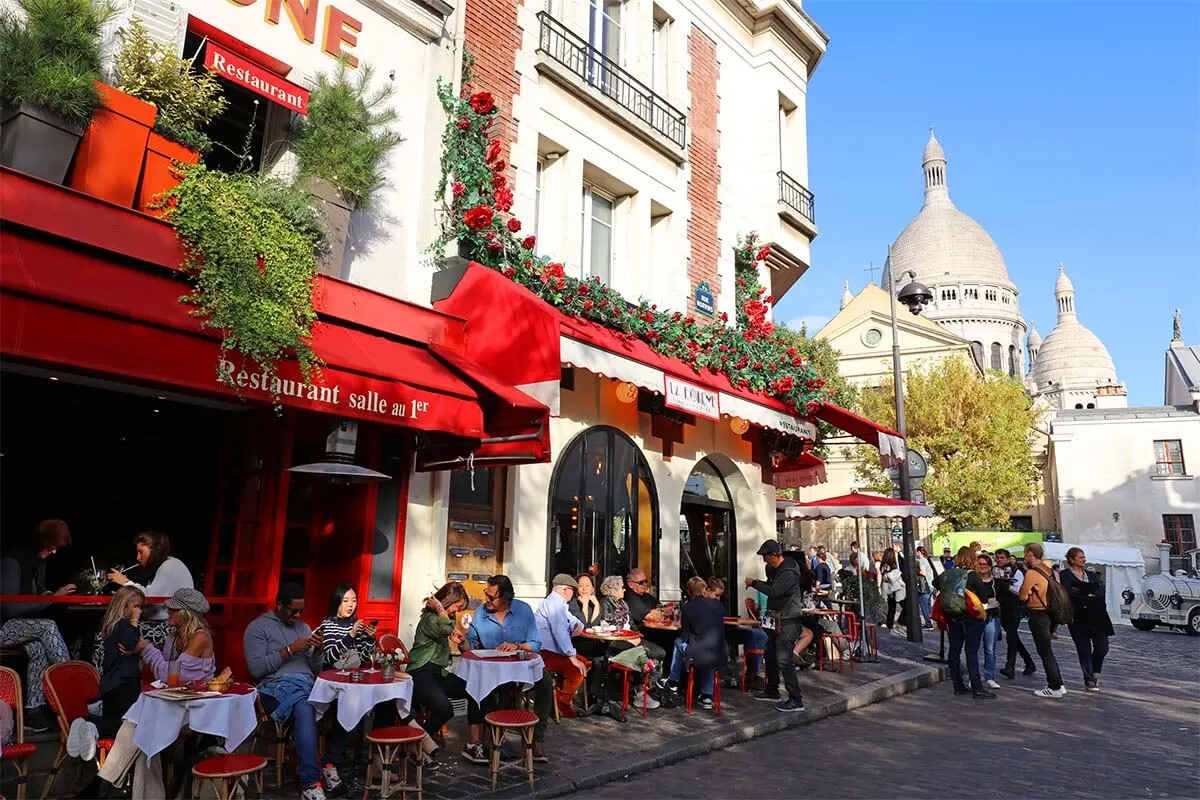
(355, 699)
(229, 715)
(483, 674)
(610, 639)
(743, 622)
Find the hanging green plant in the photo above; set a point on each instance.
(250, 253)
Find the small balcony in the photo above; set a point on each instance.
(796, 204)
(573, 62)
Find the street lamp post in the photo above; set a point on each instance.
(915, 296)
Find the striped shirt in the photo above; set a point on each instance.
(337, 642)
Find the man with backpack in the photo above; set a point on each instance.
(1048, 605)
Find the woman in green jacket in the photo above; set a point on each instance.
(429, 657)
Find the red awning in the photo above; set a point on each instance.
(804, 470)
(857, 504)
(526, 341)
(93, 287)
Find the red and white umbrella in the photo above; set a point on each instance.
(859, 505)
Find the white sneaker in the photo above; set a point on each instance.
(332, 780)
(1048, 692)
(81, 740)
(651, 703)
(313, 793)
(992, 684)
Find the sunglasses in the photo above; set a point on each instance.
(639, 583)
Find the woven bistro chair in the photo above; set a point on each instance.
(68, 688)
(18, 752)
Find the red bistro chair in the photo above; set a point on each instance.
(843, 641)
(68, 688)
(18, 752)
(625, 673)
(390, 642)
(691, 682)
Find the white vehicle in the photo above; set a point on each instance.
(1172, 600)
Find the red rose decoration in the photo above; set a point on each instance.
(584, 289)
(493, 151)
(494, 247)
(458, 189)
(478, 218)
(463, 124)
(528, 242)
(499, 182)
(504, 199)
(587, 304)
(514, 224)
(499, 166)
(509, 272)
(483, 102)
(762, 254)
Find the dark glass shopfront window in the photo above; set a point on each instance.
(603, 507)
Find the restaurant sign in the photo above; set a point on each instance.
(256, 79)
(684, 396)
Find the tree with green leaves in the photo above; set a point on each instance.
(976, 433)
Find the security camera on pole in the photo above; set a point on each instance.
(915, 296)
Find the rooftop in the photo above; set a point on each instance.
(1143, 412)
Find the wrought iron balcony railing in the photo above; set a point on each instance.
(598, 71)
(793, 193)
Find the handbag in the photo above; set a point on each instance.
(975, 607)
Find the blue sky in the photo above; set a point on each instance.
(1072, 132)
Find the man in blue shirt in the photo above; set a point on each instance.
(507, 624)
(556, 626)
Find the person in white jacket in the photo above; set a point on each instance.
(892, 586)
(928, 569)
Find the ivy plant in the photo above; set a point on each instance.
(253, 268)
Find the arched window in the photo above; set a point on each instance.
(1012, 361)
(977, 352)
(603, 507)
(707, 534)
(997, 356)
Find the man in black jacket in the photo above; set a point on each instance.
(1007, 574)
(785, 599)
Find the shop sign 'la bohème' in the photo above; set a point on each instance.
(684, 396)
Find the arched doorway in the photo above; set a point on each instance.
(708, 532)
(603, 508)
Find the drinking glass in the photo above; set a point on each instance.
(172, 679)
(372, 669)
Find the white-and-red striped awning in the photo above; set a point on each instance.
(857, 504)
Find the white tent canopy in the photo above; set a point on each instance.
(1121, 567)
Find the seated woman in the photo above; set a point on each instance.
(121, 677)
(429, 659)
(589, 609)
(701, 643)
(189, 654)
(163, 575)
(616, 612)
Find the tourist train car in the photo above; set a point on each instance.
(1172, 600)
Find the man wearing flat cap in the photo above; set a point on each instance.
(785, 589)
(556, 626)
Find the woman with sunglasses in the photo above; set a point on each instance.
(991, 625)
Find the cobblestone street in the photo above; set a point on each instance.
(1138, 737)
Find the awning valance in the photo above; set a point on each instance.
(857, 504)
(92, 287)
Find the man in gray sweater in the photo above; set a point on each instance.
(284, 657)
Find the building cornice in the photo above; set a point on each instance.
(785, 19)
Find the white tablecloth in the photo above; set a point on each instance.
(354, 700)
(159, 722)
(484, 675)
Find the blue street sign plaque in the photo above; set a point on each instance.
(704, 299)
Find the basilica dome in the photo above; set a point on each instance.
(941, 243)
(1071, 357)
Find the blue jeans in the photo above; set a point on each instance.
(991, 634)
(968, 632)
(925, 603)
(304, 737)
(756, 639)
(676, 676)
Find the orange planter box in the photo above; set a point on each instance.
(109, 159)
(158, 174)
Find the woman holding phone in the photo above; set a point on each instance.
(347, 641)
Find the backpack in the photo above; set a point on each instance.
(1058, 604)
(953, 593)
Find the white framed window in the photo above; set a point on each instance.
(537, 197)
(604, 28)
(598, 223)
(660, 53)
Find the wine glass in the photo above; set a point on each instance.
(372, 669)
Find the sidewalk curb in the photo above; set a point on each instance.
(695, 744)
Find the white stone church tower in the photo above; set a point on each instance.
(955, 257)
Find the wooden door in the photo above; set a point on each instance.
(475, 535)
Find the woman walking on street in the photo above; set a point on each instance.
(966, 632)
(1092, 625)
(892, 587)
(991, 626)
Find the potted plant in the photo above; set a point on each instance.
(340, 148)
(388, 659)
(109, 160)
(186, 100)
(50, 57)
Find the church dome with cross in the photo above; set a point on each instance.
(954, 256)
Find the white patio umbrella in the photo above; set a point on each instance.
(858, 506)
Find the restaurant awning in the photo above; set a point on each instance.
(93, 287)
(857, 504)
(526, 341)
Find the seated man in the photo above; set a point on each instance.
(23, 571)
(284, 657)
(701, 643)
(506, 623)
(556, 626)
(642, 604)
